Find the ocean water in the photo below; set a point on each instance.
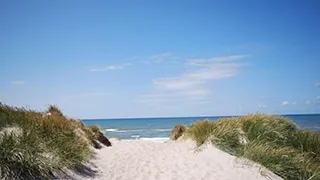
(159, 129)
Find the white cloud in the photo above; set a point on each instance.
(318, 98)
(202, 102)
(110, 67)
(262, 106)
(160, 58)
(209, 70)
(204, 62)
(308, 102)
(191, 86)
(284, 103)
(317, 84)
(176, 83)
(294, 103)
(18, 82)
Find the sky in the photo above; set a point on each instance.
(115, 59)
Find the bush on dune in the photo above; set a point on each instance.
(267, 128)
(273, 141)
(95, 128)
(177, 131)
(54, 110)
(200, 131)
(34, 145)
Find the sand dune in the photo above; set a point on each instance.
(146, 160)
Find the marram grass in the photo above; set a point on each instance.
(177, 131)
(33, 144)
(273, 141)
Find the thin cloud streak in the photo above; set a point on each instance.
(18, 82)
(110, 67)
(193, 84)
(262, 106)
(160, 58)
(204, 62)
(208, 71)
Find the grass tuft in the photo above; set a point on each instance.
(95, 128)
(177, 131)
(34, 145)
(273, 141)
(200, 131)
(54, 110)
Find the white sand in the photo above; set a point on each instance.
(146, 160)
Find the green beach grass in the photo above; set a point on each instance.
(273, 141)
(35, 145)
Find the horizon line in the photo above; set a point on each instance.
(202, 116)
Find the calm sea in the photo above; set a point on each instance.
(159, 129)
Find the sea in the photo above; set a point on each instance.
(159, 129)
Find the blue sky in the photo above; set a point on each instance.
(103, 59)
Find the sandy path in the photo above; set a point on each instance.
(146, 160)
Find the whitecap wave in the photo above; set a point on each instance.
(120, 130)
(135, 136)
(163, 130)
(156, 139)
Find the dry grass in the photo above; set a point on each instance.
(46, 143)
(177, 131)
(273, 141)
(95, 128)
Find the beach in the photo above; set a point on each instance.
(169, 160)
(49, 145)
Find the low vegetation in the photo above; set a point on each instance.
(273, 141)
(177, 131)
(36, 145)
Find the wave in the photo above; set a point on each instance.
(135, 130)
(162, 130)
(120, 130)
(136, 136)
(111, 130)
(155, 139)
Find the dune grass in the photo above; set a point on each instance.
(34, 145)
(273, 141)
(177, 131)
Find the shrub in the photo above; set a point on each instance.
(177, 131)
